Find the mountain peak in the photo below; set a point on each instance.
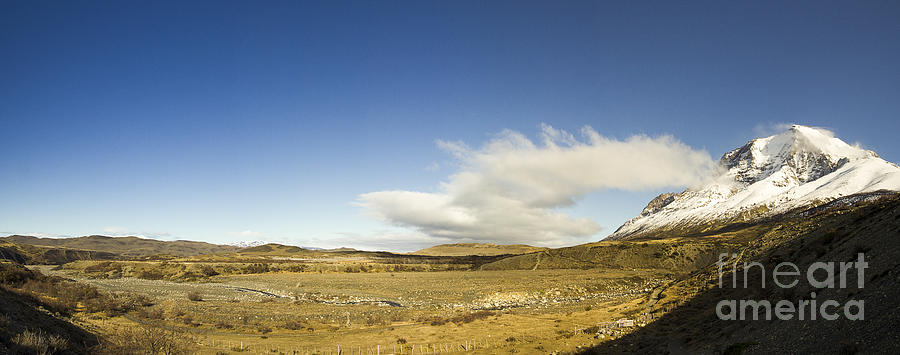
(801, 152)
(800, 167)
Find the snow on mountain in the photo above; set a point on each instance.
(800, 167)
(248, 243)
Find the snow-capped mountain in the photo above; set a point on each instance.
(248, 243)
(801, 167)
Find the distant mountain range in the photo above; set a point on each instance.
(125, 246)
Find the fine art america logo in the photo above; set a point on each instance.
(786, 275)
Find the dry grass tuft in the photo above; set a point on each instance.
(39, 343)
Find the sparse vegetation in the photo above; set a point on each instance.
(150, 339)
(38, 342)
(195, 296)
(293, 325)
(223, 325)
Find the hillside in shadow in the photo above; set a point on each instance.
(28, 323)
(687, 322)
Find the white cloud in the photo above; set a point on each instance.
(768, 129)
(508, 190)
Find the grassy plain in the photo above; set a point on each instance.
(282, 312)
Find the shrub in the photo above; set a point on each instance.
(258, 268)
(104, 304)
(148, 339)
(115, 304)
(194, 296)
(151, 314)
(298, 268)
(471, 317)
(151, 274)
(373, 320)
(208, 271)
(39, 342)
(60, 306)
(293, 325)
(223, 325)
(105, 269)
(437, 321)
(14, 274)
(156, 314)
(264, 329)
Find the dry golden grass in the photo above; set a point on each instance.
(294, 311)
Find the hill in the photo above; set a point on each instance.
(124, 246)
(685, 311)
(24, 313)
(273, 252)
(30, 254)
(675, 255)
(486, 249)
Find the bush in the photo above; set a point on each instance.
(208, 271)
(258, 268)
(105, 269)
(194, 296)
(39, 342)
(297, 268)
(373, 320)
(150, 274)
(471, 317)
(14, 274)
(56, 305)
(62, 296)
(148, 339)
(155, 314)
(293, 325)
(115, 304)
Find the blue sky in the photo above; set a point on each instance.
(224, 121)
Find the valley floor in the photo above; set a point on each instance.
(526, 311)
